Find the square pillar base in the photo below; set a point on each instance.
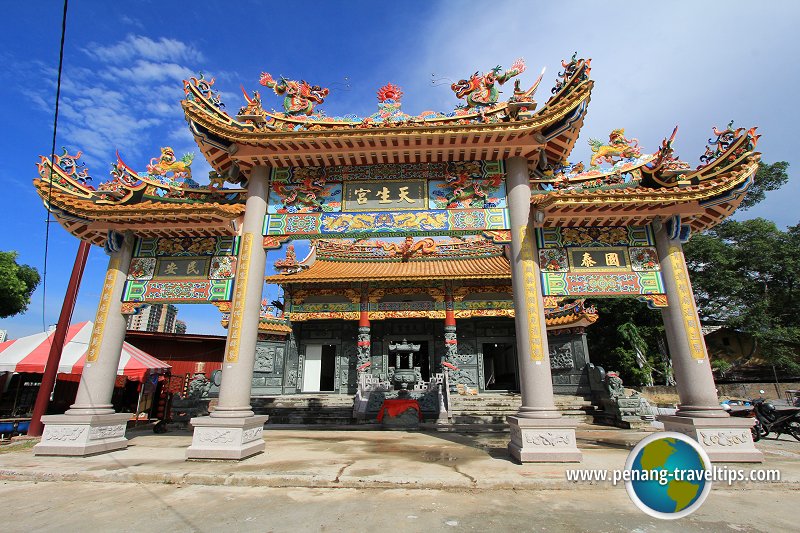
(227, 438)
(82, 435)
(543, 440)
(723, 439)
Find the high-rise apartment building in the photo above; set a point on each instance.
(157, 317)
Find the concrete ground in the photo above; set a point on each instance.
(338, 480)
(80, 506)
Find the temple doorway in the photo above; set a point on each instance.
(499, 366)
(319, 368)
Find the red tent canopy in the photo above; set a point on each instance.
(29, 354)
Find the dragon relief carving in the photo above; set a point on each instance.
(409, 248)
(467, 184)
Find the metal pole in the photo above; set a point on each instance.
(51, 369)
(139, 400)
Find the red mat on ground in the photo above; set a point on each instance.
(396, 407)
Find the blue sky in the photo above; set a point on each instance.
(688, 63)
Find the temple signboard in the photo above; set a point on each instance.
(182, 270)
(448, 198)
(385, 196)
(600, 261)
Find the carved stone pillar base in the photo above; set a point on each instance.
(82, 435)
(724, 439)
(543, 440)
(226, 438)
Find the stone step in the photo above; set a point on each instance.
(489, 409)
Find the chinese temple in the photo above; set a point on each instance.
(446, 246)
(357, 298)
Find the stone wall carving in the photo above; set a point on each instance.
(216, 436)
(561, 357)
(548, 438)
(252, 434)
(725, 438)
(107, 432)
(62, 433)
(265, 358)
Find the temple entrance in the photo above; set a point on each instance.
(319, 368)
(499, 366)
(421, 359)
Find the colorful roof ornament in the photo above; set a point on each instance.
(725, 138)
(481, 89)
(289, 265)
(205, 88)
(390, 91)
(575, 71)
(168, 163)
(618, 148)
(165, 196)
(299, 97)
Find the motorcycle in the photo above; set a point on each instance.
(777, 420)
(741, 409)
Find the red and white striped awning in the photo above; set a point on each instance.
(29, 354)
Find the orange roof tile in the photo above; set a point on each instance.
(339, 271)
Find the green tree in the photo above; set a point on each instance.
(768, 178)
(628, 338)
(17, 283)
(745, 276)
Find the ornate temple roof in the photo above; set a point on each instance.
(637, 188)
(271, 320)
(164, 201)
(560, 314)
(483, 128)
(333, 261)
(337, 262)
(620, 186)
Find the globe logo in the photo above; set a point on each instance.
(668, 475)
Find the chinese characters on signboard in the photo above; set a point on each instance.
(384, 195)
(182, 270)
(182, 267)
(599, 259)
(612, 261)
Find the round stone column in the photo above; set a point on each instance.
(91, 426)
(232, 431)
(240, 348)
(699, 414)
(538, 432)
(693, 377)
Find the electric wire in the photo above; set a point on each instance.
(52, 162)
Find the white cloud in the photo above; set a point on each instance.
(682, 62)
(140, 46)
(119, 99)
(143, 71)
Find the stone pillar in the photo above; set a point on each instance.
(450, 336)
(538, 432)
(363, 355)
(232, 431)
(91, 426)
(699, 413)
(450, 361)
(364, 340)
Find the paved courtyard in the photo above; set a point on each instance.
(345, 480)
